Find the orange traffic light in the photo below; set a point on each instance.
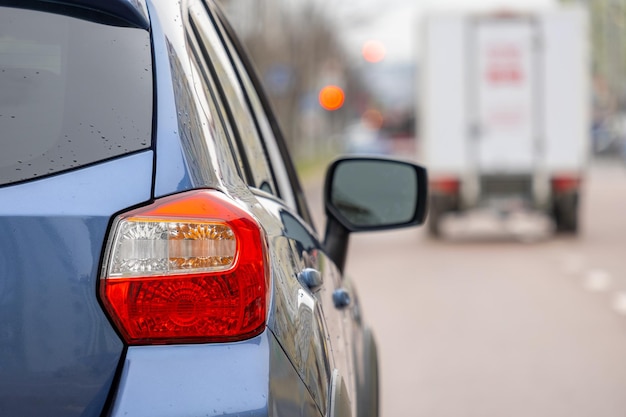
(331, 97)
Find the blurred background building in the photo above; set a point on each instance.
(301, 47)
(297, 52)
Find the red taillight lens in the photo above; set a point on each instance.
(565, 183)
(190, 268)
(445, 185)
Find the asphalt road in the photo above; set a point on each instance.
(499, 320)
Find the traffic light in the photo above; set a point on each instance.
(331, 97)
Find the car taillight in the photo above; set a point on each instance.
(189, 268)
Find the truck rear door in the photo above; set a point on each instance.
(503, 76)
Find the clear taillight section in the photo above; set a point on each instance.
(164, 247)
(190, 268)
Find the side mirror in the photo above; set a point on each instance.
(370, 193)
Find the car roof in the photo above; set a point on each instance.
(134, 12)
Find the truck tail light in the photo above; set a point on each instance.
(565, 183)
(445, 185)
(189, 268)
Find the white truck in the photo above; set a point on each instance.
(504, 112)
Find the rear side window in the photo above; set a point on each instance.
(72, 92)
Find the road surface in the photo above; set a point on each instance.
(492, 323)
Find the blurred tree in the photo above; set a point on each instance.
(296, 50)
(608, 49)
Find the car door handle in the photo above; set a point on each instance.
(341, 298)
(312, 278)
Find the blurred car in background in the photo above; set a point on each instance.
(608, 136)
(157, 256)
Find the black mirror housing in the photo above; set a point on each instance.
(371, 193)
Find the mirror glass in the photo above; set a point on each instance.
(374, 192)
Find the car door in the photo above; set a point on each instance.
(320, 348)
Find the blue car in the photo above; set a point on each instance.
(157, 256)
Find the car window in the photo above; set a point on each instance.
(73, 92)
(246, 134)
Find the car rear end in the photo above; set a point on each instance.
(75, 125)
(104, 205)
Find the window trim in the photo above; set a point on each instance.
(256, 175)
(301, 204)
(261, 120)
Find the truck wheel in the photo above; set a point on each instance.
(434, 214)
(438, 206)
(565, 213)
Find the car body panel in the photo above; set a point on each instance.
(190, 151)
(191, 154)
(296, 314)
(59, 353)
(228, 379)
(171, 174)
